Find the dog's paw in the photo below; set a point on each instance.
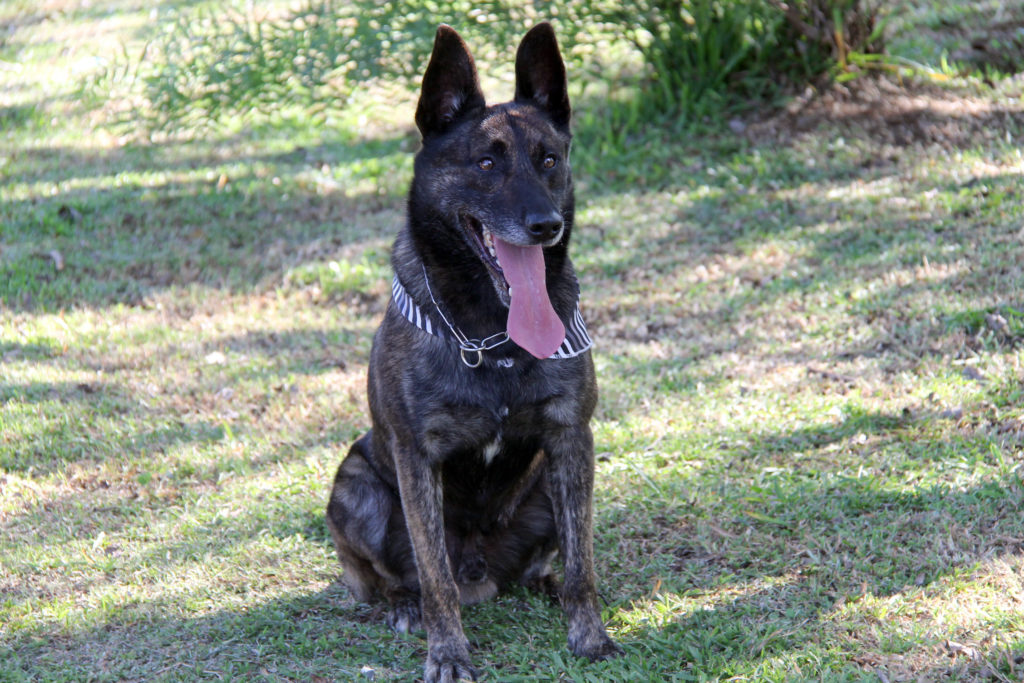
(596, 648)
(447, 666)
(546, 585)
(404, 616)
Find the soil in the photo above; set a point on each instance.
(899, 113)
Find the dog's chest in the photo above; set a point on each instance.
(493, 447)
(491, 419)
(491, 450)
(512, 436)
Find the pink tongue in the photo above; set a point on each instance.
(532, 322)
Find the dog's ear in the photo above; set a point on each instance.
(450, 86)
(540, 74)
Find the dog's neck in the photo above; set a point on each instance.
(474, 352)
(467, 313)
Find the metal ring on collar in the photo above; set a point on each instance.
(479, 356)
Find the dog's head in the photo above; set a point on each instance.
(497, 179)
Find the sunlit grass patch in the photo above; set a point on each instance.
(342, 276)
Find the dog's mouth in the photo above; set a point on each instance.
(520, 280)
(483, 242)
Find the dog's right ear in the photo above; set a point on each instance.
(450, 86)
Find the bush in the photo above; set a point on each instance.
(705, 52)
(698, 55)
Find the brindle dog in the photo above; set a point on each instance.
(479, 466)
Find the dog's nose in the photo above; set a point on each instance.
(544, 227)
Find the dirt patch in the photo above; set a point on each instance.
(895, 113)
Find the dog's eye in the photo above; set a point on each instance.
(486, 164)
(550, 161)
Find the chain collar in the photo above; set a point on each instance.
(471, 351)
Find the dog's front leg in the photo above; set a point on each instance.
(447, 649)
(571, 480)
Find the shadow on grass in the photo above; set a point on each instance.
(613, 151)
(767, 616)
(771, 627)
(306, 351)
(18, 117)
(886, 270)
(33, 351)
(64, 164)
(783, 573)
(49, 425)
(298, 637)
(771, 569)
(789, 543)
(122, 243)
(158, 221)
(766, 598)
(867, 235)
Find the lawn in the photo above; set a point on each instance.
(809, 335)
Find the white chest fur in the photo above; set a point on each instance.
(492, 449)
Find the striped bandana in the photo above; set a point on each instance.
(471, 350)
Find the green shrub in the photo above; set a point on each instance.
(704, 52)
(697, 55)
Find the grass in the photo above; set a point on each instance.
(810, 435)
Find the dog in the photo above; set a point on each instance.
(479, 464)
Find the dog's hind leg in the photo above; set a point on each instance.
(365, 520)
(539, 575)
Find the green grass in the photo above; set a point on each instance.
(810, 435)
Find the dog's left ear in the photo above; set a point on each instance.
(540, 74)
